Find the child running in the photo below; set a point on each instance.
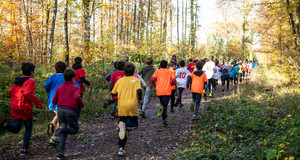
(67, 97)
(164, 79)
(173, 87)
(226, 69)
(21, 98)
(129, 92)
(217, 74)
(147, 72)
(181, 78)
(208, 68)
(51, 85)
(113, 80)
(196, 82)
(80, 78)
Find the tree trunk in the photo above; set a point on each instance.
(292, 23)
(243, 40)
(28, 28)
(192, 28)
(42, 33)
(87, 26)
(147, 21)
(122, 19)
(47, 28)
(67, 35)
(134, 21)
(178, 26)
(52, 32)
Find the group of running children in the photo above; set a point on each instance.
(65, 91)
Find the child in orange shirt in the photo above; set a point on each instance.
(196, 82)
(173, 87)
(164, 79)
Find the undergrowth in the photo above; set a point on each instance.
(261, 121)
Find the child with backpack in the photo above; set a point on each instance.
(234, 73)
(196, 82)
(67, 97)
(147, 72)
(129, 92)
(21, 97)
(181, 78)
(51, 85)
(226, 69)
(164, 79)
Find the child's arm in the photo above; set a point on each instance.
(29, 94)
(77, 96)
(153, 79)
(55, 98)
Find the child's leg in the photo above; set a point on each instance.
(228, 81)
(27, 134)
(194, 97)
(15, 126)
(78, 111)
(165, 102)
(122, 142)
(214, 84)
(55, 121)
(115, 108)
(197, 103)
(172, 99)
(146, 97)
(180, 90)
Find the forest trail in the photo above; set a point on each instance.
(98, 138)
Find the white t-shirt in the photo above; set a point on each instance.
(181, 77)
(217, 73)
(208, 68)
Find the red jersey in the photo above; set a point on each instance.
(115, 77)
(79, 73)
(191, 66)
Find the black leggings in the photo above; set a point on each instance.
(172, 98)
(227, 80)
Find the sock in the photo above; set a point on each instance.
(53, 137)
(53, 123)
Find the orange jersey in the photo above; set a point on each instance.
(198, 82)
(163, 78)
(174, 72)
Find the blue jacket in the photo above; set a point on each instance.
(51, 85)
(234, 72)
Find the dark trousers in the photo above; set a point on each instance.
(180, 90)
(210, 84)
(196, 100)
(223, 82)
(215, 83)
(69, 118)
(131, 123)
(15, 127)
(173, 98)
(164, 101)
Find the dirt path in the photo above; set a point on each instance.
(98, 139)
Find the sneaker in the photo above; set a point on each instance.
(53, 141)
(165, 123)
(105, 105)
(194, 117)
(211, 95)
(50, 129)
(23, 152)
(60, 129)
(192, 107)
(205, 96)
(121, 152)
(143, 115)
(180, 105)
(122, 130)
(176, 104)
(61, 156)
(160, 111)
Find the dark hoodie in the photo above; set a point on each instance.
(198, 73)
(19, 81)
(147, 72)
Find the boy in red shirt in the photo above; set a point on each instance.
(67, 97)
(196, 82)
(191, 65)
(22, 97)
(80, 78)
(164, 79)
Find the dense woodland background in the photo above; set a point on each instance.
(261, 121)
(45, 31)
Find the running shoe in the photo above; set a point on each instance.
(176, 104)
(61, 156)
(23, 152)
(192, 107)
(165, 123)
(122, 130)
(180, 105)
(205, 96)
(194, 117)
(143, 115)
(160, 111)
(211, 95)
(50, 129)
(53, 141)
(121, 152)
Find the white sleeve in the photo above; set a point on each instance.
(143, 83)
(187, 72)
